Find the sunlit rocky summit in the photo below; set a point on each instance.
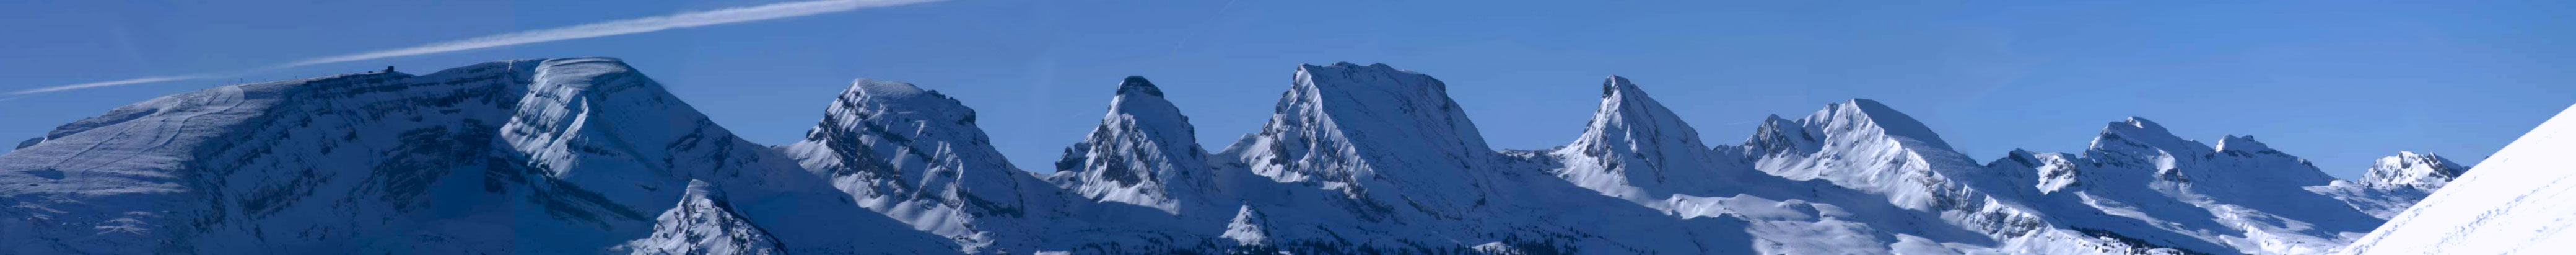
(588, 155)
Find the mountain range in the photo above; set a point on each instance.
(588, 155)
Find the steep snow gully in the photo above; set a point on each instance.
(588, 155)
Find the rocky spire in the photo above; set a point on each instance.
(1144, 152)
(1249, 227)
(1635, 148)
(705, 223)
(1352, 128)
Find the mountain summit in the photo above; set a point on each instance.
(1636, 149)
(1143, 153)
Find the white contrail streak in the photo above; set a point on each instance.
(110, 83)
(597, 29)
(626, 26)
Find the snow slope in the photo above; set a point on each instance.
(2513, 203)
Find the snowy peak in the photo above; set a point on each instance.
(2138, 142)
(1857, 125)
(1139, 86)
(2055, 171)
(2409, 169)
(2140, 133)
(1869, 116)
(1846, 123)
(580, 103)
(583, 152)
(2141, 144)
(1778, 136)
(2244, 146)
(1248, 228)
(1377, 98)
(903, 100)
(1144, 152)
(1629, 119)
(1620, 87)
(1359, 129)
(916, 155)
(705, 223)
(1634, 148)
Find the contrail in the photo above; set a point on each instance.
(597, 29)
(110, 83)
(620, 27)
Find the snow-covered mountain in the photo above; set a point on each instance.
(1143, 153)
(916, 155)
(2421, 171)
(2511, 204)
(531, 156)
(586, 155)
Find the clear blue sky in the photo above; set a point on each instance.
(2338, 82)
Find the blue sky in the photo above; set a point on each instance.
(2337, 82)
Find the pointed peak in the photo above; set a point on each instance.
(1138, 84)
(1248, 228)
(1627, 118)
(1346, 114)
(1870, 112)
(1874, 108)
(1774, 124)
(1619, 86)
(1781, 136)
(1246, 213)
(1144, 152)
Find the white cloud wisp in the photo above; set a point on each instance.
(590, 30)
